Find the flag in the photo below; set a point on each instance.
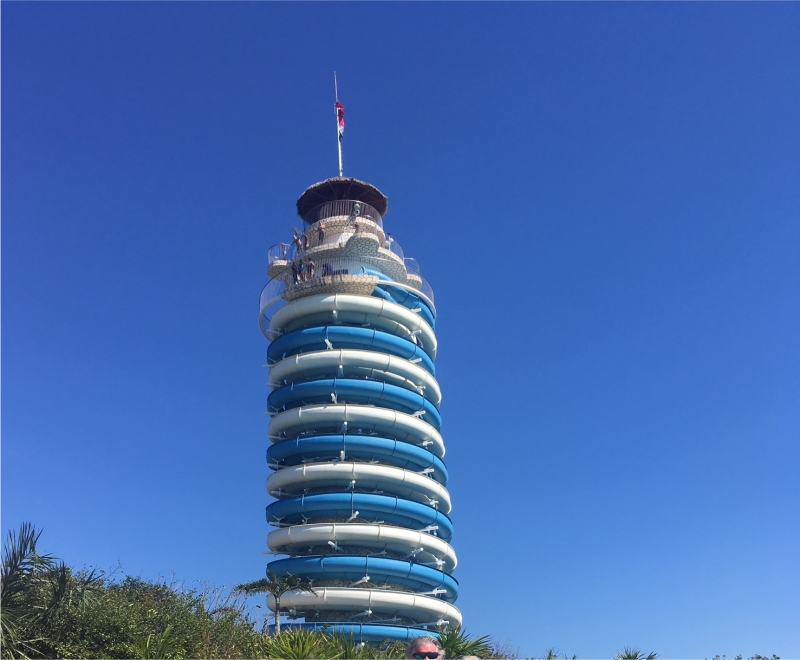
(340, 119)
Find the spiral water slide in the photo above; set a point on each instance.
(356, 451)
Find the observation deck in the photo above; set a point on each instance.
(344, 249)
(337, 189)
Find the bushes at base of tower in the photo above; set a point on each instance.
(50, 610)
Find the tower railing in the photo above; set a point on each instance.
(335, 235)
(271, 295)
(343, 207)
(337, 275)
(391, 244)
(278, 252)
(426, 287)
(307, 269)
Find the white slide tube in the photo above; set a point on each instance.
(379, 601)
(345, 475)
(396, 424)
(357, 363)
(363, 310)
(426, 549)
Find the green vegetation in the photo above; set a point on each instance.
(276, 586)
(629, 653)
(752, 657)
(456, 643)
(50, 610)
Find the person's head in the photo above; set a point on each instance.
(423, 647)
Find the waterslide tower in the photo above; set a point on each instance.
(361, 506)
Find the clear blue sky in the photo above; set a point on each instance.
(606, 200)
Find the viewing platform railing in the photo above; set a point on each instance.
(393, 246)
(387, 270)
(305, 268)
(426, 288)
(326, 272)
(343, 207)
(271, 293)
(332, 237)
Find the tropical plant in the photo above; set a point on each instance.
(156, 646)
(299, 643)
(50, 610)
(277, 586)
(393, 650)
(552, 654)
(752, 657)
(505, 650)
(631, 653)
(23, 570)
(343, 645)
(456, 643)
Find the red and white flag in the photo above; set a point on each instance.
(340, 119)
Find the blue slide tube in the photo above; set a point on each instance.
(407, 299)
(360, 372)
(362, 447)
(399, 295)
(379, 569)
(363, 632)
(353, 390)
(342, 336)
(390, 509)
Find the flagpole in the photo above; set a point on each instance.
(336, 113)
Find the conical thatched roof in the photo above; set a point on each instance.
(341, 187)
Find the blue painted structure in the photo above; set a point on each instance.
(370, 431)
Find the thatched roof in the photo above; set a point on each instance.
(341, 187)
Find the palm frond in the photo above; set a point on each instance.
(632, 653)
(22, 572)
(456, 643)
(552, 654)
(299, 643)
